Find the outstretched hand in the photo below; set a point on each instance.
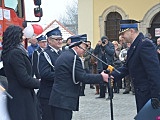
(105, 76)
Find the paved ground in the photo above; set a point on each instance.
(99, 109)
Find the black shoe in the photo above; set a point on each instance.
(126, 92)
(100, 97)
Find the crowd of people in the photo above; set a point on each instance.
(60, 74)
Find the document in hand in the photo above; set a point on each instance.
(148, 113)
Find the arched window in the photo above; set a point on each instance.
(112, 25)
(154, 25)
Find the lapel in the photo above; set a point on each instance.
(39, 50)
(50, 49)
(133, 46)
(59, 52)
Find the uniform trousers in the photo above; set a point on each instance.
(102, 89)
(61, 113)
(46, 109)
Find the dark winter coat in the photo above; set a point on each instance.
(143, 66)
(21, 85)
(65, 91)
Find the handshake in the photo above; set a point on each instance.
(155, 102)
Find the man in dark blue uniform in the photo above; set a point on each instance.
(142, 64)
(42, 42)
(68, 75)
(46, 69)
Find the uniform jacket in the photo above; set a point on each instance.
(143, 66)
(35, 62)
(47, 72)
(65, 92)
(21, 85)
(108, 52)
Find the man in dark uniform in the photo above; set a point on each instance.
(46, 69)
(142, 65)
(42, 42)
(68, 74)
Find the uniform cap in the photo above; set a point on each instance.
(54, 33)
(77, 38)
(41, 38)
(127, 24)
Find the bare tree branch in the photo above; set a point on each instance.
(70, 19)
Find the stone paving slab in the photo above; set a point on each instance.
(124, 107)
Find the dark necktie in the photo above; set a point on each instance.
(59, 52)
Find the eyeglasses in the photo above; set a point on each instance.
(83, 48)
(57, 39)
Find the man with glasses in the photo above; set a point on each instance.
(46, 69)
(69, 73)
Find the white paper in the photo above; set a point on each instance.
(157, 32)
(7, 14)
(1, 14)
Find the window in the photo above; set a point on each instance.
(16, 5)
(112, 25)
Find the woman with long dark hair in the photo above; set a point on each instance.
(18, 70)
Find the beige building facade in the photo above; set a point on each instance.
(97, 18)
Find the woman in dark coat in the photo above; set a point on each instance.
(18, 69)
